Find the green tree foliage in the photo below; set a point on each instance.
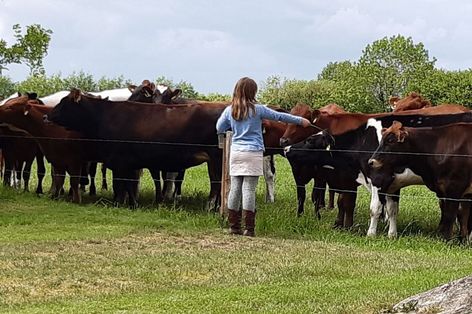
(32, 47)
(214, 97)
(7, 87)
(286, 93)
(188, 91)
(389, 66)
(111, 83)
(443, 86)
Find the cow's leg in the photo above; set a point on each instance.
(156, 177)
(463, 215)
(27, 174)
(331, 195)
(318, 195)
(41, 171)
(269, 176)
(178, 184)
(375, 211)
(169, 183)
(83, 176)
(119, 188)
(349, 203)
(392, 214)
(104, 177)
(214, 172)
(339, 222)
(92, 173)
(451, 209)
(132, 186)
(58, 182)
(75, 176)
(9, 167)
(17, 174)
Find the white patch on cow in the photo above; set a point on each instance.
(287, 149)
(365, 182)
(269, 177)
(8, 98)
(53, 99)
(378, 127)
(119, 94)
(392, 213)
(328, 167)
(162, 88)
(375, 211)
(406, 178)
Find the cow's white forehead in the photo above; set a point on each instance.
(162, 88)
(378, 127)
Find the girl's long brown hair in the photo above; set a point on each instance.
(244, 98)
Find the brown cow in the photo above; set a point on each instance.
(60, 146)
(441, 157)
(412, 101)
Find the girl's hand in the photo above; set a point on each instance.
(306, 123)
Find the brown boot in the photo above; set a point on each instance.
(234, 219)
(250, 223)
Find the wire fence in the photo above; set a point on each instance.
(201, 145)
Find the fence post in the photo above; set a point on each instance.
(225, 143)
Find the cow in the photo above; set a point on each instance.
(441, 157)
(412, 101)
(64, 149)
(302, 173)
(131, 139)
(19, 151)
(272, 131)
(354, 146)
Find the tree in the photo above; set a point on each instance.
(30, 48)
(389, 66)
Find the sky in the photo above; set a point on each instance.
(212, 43)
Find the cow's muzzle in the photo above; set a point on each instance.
(283, 141)
(374, 163)
(46, 119)
(287, 150)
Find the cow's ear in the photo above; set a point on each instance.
(393, 100)
(32, 96)
(76, 95)
(19, 94)
(131, 88)
(402, 135)
(147, 90)
(315, 115)
(176, 93)
(27, 109)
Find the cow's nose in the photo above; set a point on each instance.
(286, 150)
(374, 163)
(283, 141)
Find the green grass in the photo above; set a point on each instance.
(60, 257)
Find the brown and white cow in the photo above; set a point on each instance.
(412, 101)
(441, 156)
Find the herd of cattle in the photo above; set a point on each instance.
(154, 128)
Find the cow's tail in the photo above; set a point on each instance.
(2, 163)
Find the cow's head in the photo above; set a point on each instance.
(72, 112)
(393, 142)
(143, 92)
(167, 96)
(412, 101)
(295, 133)
(315, 150)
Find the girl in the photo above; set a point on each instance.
(244, 117)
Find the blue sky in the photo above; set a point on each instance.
(212, 43)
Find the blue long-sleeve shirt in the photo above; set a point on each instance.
(247, 133)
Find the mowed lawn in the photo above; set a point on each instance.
(57, 257)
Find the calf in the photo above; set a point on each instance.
(441, 157)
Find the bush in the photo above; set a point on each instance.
(7, 87)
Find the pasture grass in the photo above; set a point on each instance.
(176, 258)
